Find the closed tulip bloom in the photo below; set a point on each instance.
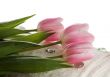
(52, 38)
(51, 25)
(76, 27)
(78, 58)
(77, 37)
(75, 54)
(77, 44)
(77, 49)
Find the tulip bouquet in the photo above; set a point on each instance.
(75, 43)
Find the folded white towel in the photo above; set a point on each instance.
(99, 66)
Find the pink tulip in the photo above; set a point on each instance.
(77, 49)
(76, 27)
(78, 37)
(51, 25)
(52, 38)
(77, 58)
(77, 43)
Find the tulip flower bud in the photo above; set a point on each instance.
(51, 25)
(77, 44)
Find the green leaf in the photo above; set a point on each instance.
(35, 38)
(7, 48)
(14, 23)
(4, 73)
(10, 32)
(30, 65)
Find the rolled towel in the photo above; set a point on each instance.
(99, 66)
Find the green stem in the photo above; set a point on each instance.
(55, 43)
(31, 30)
(40, 46)
(54, 57)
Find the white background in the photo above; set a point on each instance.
(94, 12)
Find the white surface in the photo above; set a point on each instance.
(99, 66)
(94, 12)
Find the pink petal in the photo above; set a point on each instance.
(53, 37)
(82, 45)
(76, 27)
(50, 21)
(78, 37)
(51, 24)
(77, 51)
(47, 42)
(77, 58)
(78, 46)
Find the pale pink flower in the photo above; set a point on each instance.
(78, 53)
(53, 38)
(51, 25)
(77, 37)
(77, 49)
(78, 58)
(77, 43)
(76, 27)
